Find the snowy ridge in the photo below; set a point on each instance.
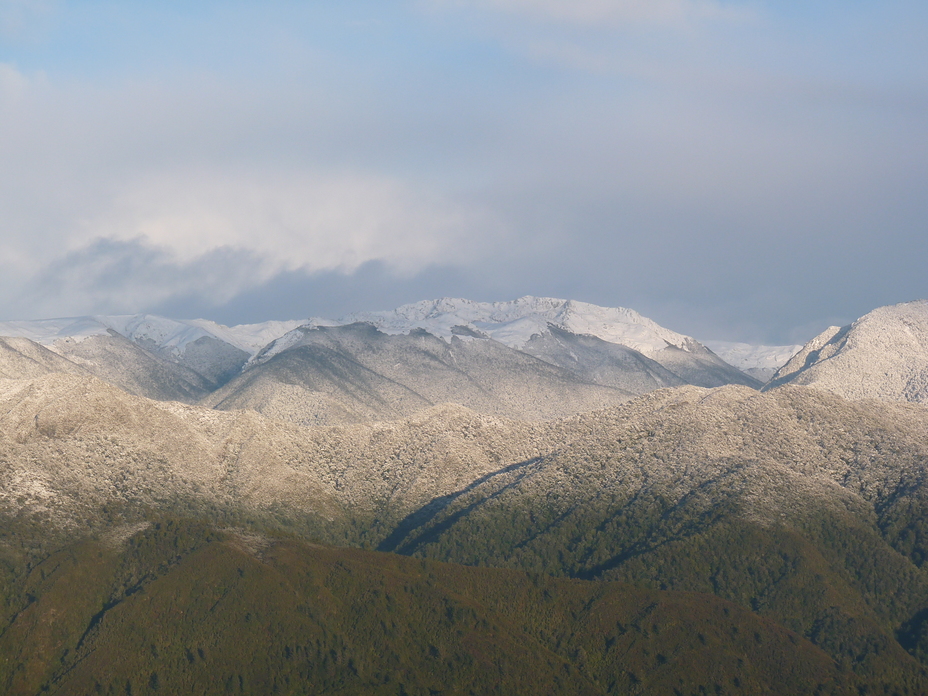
(168, 334)
(511, 323)
(248, 337)
(745, 356)
(514, 323)
(882, 355)
(47, 331)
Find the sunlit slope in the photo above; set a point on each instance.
(882, 355)
(21, 358)
(73, 447)
(356, 373)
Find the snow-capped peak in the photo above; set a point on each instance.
(514, 323)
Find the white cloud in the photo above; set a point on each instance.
(12, 84)
(291, 219)
(194, 170)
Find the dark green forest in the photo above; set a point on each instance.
(183, 607)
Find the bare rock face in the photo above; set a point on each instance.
(883, 355)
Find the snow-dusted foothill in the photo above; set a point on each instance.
(882, 355)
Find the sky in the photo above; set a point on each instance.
(735, 170)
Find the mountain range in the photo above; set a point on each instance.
(636, 514)
(531, 358)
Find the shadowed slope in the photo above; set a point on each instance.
(796, 503)
(185, 609)
(123, 363)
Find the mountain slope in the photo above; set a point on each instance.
(600, 362)
(487, 356)
(150, 355)
(355, 373)
(797, 504)
(178, 608)
(519, 322)
(882, 355)
(21, 358)
(127, 365)
(73, 447)
(802, 506)
(170, 336)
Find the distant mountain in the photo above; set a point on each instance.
(356, 373)
(521, 323)
(882, 355)
(532, 358)
(150, 356)
(761, 362)
(514, 323)
(167, 336)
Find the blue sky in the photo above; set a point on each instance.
(734, 170)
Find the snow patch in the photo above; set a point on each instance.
(745, 356)
(514, 323)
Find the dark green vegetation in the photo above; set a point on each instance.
(837, 556)
(180, 607)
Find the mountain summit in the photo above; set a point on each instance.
(515, 323)
(532, 358)
(882, 355)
